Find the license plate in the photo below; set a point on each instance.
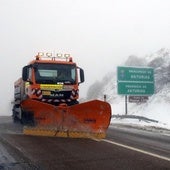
(46, 93)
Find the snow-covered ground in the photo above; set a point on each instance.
(155, 109)
(142, 124)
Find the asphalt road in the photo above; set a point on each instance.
(124, 148)
(155, 141)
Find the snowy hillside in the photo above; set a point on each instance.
(158, 105)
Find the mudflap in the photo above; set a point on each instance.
(90, 119)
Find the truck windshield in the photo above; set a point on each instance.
(55, 73)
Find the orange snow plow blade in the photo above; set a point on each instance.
(90, 119)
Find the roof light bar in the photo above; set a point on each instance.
(66, 55)
(40, 53)
(49, 54)
(59, 55)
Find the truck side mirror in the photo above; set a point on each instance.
(81, 75)
(25, 73)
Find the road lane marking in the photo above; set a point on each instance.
(137, 150)
(166, 134)
(97, 140)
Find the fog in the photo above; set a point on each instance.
(99, 35)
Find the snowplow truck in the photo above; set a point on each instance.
(46, 100)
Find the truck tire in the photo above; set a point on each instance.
(14, 115)
(27, 118)
(15, 118)
(23, 119)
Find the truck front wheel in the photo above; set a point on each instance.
(27, 118)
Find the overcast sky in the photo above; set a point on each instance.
(99, 34)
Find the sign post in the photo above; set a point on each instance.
(135, 81)
(126, 108)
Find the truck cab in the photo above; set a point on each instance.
(53, 80)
